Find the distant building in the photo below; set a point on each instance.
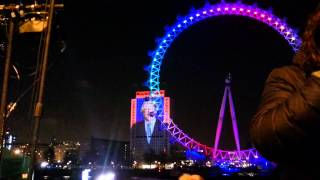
(149, 141)
(65, 152)
(8, 140)
(108, 152)
(65, 149)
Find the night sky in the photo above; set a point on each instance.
(89, 86)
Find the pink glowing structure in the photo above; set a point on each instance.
(210, 11)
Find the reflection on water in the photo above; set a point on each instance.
(137, 174)
(144, 178)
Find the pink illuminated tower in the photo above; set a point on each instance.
(227, 93)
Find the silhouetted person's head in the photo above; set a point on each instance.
(308, 58)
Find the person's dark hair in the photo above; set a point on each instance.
(308, 57)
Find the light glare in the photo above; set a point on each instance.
(107, 176)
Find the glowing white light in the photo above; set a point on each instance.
(241, 9)
(169, 35)
(218, 9)
(24, 175)
(198, 15)
(211, 10)
(169, 166)
(44, 164)
(282, 27)
(148, 166)
(248, 11)
(17, 151)
(164, 41)
(10, 140)
(179, 25)
(269, 19)
(255, 13)
(185, 21)
(276, 23)
(85, 174)
(204, 12)
(226, 9)
(191, 17)
(262, 15)
(288, 32)
(233, 9)
(107, 176)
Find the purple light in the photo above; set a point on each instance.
(187, 21)
(234, 121)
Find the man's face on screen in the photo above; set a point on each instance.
(149, 111)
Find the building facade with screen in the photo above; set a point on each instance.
(149, 140)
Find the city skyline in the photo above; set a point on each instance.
(90, 84)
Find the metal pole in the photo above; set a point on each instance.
(39, 104)
(3, 105)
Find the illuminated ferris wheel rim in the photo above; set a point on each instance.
(221, 9)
